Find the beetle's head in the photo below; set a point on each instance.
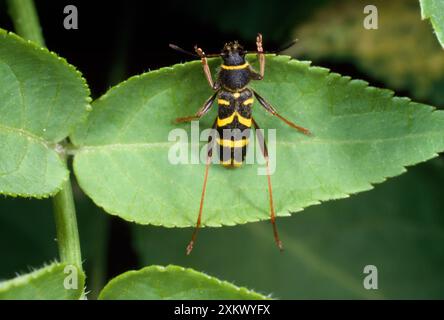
(233, 54)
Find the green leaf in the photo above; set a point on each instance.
(434, 10)
(42, 98)
(172, 282)
(43, 284)
(398, 227)
(362, 136)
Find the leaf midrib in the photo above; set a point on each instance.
(312, 140)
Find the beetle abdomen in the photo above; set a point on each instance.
(233, 126)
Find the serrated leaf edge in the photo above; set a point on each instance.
(47, 145)
(40, 196)
(28, 277)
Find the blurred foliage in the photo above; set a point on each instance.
(398, 227)
(248, 17)
(403, 52)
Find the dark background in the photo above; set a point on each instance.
(399, 225)
(136, 34)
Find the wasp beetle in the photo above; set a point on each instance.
(235, 100)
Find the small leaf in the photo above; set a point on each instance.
(434, 10)
(172, 282)
(42, 98)
(362, 135)
(43, 284)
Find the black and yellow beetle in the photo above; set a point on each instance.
(234, 119)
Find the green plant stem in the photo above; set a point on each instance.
(26, 21)
(27, 25)
(66, 224)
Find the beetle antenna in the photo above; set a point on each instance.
(287, 46)
(177, 48)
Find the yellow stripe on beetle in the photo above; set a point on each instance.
(223, 122)
(239, 67)
(237, 163)
(245, 121)
(231, 163)
(232, 143)
(223, 102)
(226, 163)
(248, 101)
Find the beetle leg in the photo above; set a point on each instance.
(207, 167)
(264, 150)
(273, 111)
(260, 55)
(206, 68)
(203, 110)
